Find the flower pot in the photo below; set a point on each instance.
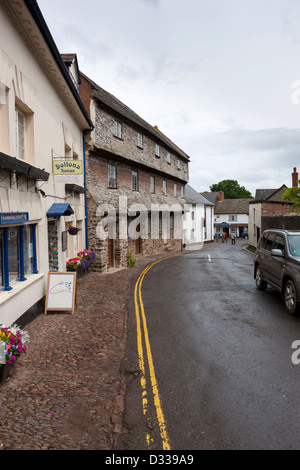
(5, 371)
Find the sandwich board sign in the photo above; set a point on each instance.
(61, 291)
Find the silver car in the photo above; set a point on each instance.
(277, 262)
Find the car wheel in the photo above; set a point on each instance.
(260, 283)
(290, 297)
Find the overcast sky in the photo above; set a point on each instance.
(221, 78)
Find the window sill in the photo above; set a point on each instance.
(19, 286)
(117, 137)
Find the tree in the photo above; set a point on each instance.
(231, 189)
(293, 195)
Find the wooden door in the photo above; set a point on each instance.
(110, 253)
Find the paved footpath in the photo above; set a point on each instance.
(67, 392)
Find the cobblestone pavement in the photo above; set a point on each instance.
(67, 392)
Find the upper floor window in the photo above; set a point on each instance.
(157, 150)
(140, 141)
(168, 157)
(182, 191)
(178, 164)
(164, 187)
(233, 218)
(135, 184)
(152, 184)
(175, 190)
(20, 134)
(185, 167)
(118, 130)
(112, 176)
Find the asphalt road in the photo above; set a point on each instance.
(222, 357)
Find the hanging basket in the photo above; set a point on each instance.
(73, 230)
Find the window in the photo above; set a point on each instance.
(279, 243)
(118, 130)
(269, 241)
(185, 167)
(178, 164)
(182, 191)
(112, 176)
(140, 141)
(152, 184)
(164, 187)
(157, 150)
(135, 185)
(233, 218)
(17, 254)
(168, 157)
(20, 134)
(175, 190)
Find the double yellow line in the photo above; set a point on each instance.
(141, 324)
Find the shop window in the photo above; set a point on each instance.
(17, 254)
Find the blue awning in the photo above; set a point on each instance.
(224, 224)
(59, 209)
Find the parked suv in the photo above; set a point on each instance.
(277, 262)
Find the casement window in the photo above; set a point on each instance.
(140, 141)
(232, 218)
(135, 183)
(178, 164)
(185, 167)
(168, 157)
(157, 150)
(112, 176)
(164, 187)
(182, 191)
(118, 130)
(175, 190)
(20, 134)
(152, 184)
(18, 256)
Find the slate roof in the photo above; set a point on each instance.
(116, 105)
(192, 197)
(233, 206)
(211, 196)
(265, 194)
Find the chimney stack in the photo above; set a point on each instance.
(221, 195)
(295, 178)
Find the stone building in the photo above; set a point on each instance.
(132, 170)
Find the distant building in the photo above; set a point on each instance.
(198, 222)
(231, 215)
(268, 203)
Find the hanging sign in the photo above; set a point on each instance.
(67, 167)
(61, 291)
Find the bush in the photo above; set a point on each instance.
(131, 260)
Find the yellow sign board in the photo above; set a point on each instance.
(67, 167)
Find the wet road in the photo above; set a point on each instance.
(221, 353)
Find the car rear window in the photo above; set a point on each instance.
(294, 244)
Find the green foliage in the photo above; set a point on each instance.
(293, 195)
(231, 189)
(131, 260)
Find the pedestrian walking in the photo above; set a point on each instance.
(226, 236)
(232, 238)
(223, 236)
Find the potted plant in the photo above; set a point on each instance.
(73, 230)
(12, 346)
(76, 264)
(89, 255)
